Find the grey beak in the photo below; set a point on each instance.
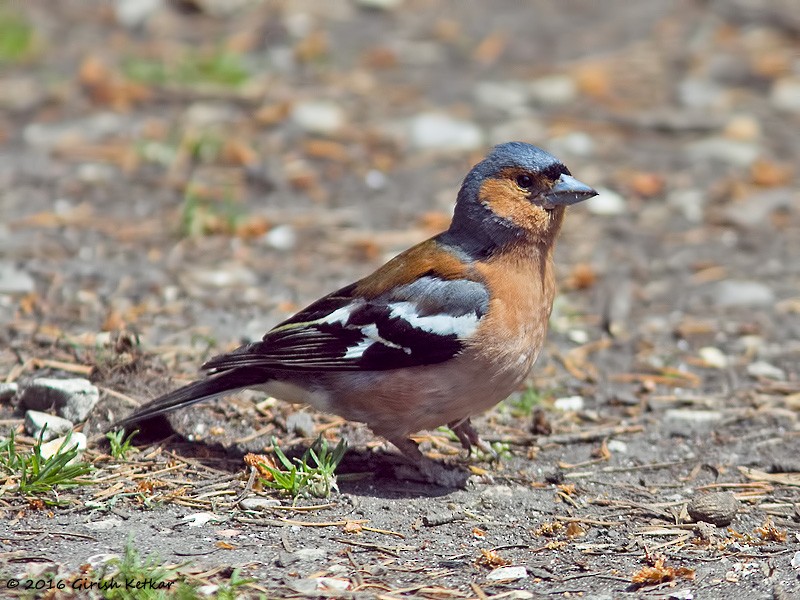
(568, 190)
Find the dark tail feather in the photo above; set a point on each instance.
(204, 389)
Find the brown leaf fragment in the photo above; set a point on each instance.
(575, 530)
(260, 462)
(770, 533)
(659, 572)
(107, 88)
(352, 527)
(491, 559)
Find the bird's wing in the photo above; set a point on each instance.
(424, 321)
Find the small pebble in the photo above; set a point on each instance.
(379, 4)
(576, 143)
(690, 203)
(133, 13)
(713, 357)
(522, 128)
(257, 503)
(438, 131)
(717, 508)
(318, 116)
(233, 275)
(35, 422)
(507, 574)
(508, 96)
(741, 293)
(73, 399)
(14, 280)
(77, 440)
(332, 583)
(785, 94)
(617, 446)
(553, 90)
(755, 210)
(606, 203)
(300, 423)
(569, 403)
(722, 150)
(282, 237)
(767, 371)
(104, 524)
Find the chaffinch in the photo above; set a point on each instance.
(440, 333)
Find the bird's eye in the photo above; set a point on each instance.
(524, 181)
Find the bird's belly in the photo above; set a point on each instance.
(398, 403)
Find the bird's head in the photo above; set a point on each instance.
(518, 192)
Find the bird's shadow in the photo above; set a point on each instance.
(361, 472)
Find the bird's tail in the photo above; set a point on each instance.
(204, 389)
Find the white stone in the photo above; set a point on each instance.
(14, 280)
(689, 415)
(73, 399)
(201, 519)
(282, 237)
(766, 370)
(690, 203)
(522, 129)
(701, 93)
(734, 292)
(569, 403)
(233, 275)
(76, 440)
(104, 524)
(257, 504)
(375, 179)
(785, 94)
(755, 210)
(206, 114)
(439, 131)
(508, 96)
(35, 422)
(713, 357)
(507, 574)
(606, 203)
(575, 143)
(380, 4)
(318, 116)
(617, 446)
(332, 583)
(796, 560)
(132, 13)
(300, 423)
(553, 90)
(723, 150)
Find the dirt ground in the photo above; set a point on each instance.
(177, 177)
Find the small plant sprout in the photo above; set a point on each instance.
(314, 474)
(120, 444)
(36, 474)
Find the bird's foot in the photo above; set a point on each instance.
(430, 470)
(470, 439)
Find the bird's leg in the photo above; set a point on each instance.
(469, 437)
(431, 471)
(409, 449)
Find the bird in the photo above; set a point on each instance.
(440, 333)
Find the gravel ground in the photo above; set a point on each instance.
(177, 177)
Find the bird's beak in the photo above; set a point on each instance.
(568, 190)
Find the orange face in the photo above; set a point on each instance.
(517, 195)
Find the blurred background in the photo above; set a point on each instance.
(190, 172)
